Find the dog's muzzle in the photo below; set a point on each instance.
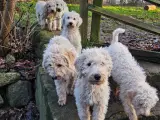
(70, 24)
(52, 11)
(58, 10)
(96, 80)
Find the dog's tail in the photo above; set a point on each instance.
(116, 33)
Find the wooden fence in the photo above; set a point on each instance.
(98, 11)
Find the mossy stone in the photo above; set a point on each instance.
(8, 78)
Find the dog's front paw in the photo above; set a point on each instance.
(61, 102)
(59, 28)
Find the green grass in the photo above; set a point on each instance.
(135, 12)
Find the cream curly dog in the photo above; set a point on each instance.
(46, 13)
(61, 8)
(58, 61)
(137, 96)
(91, 87)
(71, 23)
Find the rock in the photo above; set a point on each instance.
(8, 78)
(1, 100)
(19, 94)
(10, 59)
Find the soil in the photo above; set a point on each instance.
(29, 112)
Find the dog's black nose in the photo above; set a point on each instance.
(52, 11)
(59, 10)
(70, 23)
(97, 76)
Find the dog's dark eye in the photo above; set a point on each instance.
(74, 18)
(59, 65)
(89, 64)
(50, 65)
(57, 4)
(68, 17)
(49, 6)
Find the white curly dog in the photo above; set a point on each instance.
(58, 61)
(137, 96)
(61, 8)
(71, 23)
(91, 86)
(46, 13)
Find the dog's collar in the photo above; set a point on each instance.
(53, 78)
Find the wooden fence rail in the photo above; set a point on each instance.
(125, 19)
(97, 11)
(155, 2)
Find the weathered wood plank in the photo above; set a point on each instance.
(84, 15)
(150, 56)
(125, 19)
(95, 25)
(155, 2)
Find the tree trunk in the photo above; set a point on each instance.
(6, 26)
(2, 5)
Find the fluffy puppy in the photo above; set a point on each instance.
(91, 87)
(46, 12)
(137, 96)
(71, 23)
(58, 62)
(61, 8)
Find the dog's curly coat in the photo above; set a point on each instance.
(46, 13)
(137, 96)
(71, 23)
(61, 8)
(91, 87)
(58, 61)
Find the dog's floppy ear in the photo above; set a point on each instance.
(70, 57)
(108, 59)
(63, 19)
(45, 10)
(79, 22)
(79, 63)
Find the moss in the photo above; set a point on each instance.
(40, 40)
(8, 78)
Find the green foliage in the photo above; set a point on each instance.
(25, 8)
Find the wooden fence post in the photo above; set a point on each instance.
(95, 25)
(84, 15)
